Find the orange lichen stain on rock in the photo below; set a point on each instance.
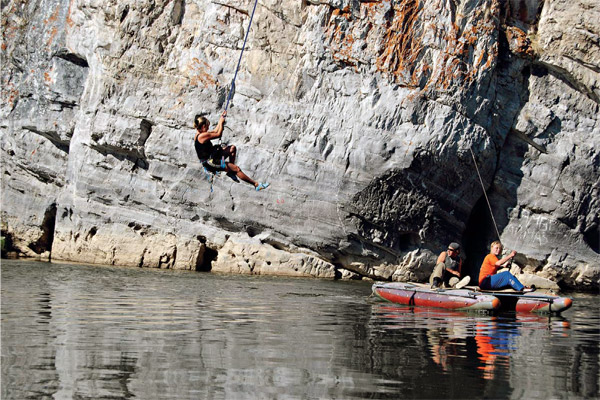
(519, 43)
(452, 63)
(48, 76)
(198, 74)
(401, 47)
(12, 97)
(69, 20)
(343, 33)
(54, 16)
(418, 73)
(9, 29)
(341, 45)
(54, 30)
(372, 8)
(53, 33)
(480, 59)
(491, 57)
(342, 12)
(8, 93)
(462, 59)
(340, 39)
(179, 103)
(13, 22)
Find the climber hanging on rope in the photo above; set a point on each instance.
(216, 158)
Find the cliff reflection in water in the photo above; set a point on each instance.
(91, 332)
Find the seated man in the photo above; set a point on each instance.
(448, 269)
(489, 279)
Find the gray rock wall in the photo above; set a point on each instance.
(361, 115)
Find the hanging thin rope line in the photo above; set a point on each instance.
(484, 193)
(232, 87)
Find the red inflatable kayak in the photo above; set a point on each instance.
(417, 294)
(470, 298)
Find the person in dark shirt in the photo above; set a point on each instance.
(448, 268)
(217, 158)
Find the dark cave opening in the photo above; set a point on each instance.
(44, 243)
(478, 235)
(205, 260)
(592, 238)
(8, 250)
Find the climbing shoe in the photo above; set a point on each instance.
(261, 186)
(463, 282)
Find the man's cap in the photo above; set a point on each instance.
(454, 246)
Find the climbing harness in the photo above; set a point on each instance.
(210, 176)
(484, 193)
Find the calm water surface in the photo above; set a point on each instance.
(78, 332)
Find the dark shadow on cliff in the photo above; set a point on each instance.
(502, 192)
(8, 249)
(44, 243)
(480, 231)
(476, 239)
(205, 260)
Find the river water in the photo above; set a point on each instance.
(90, 332)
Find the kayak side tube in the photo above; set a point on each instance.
(532, 302)
(543, 304)
(415, 295)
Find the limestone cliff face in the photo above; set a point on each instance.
(364, 116)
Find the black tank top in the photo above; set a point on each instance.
(203, 150)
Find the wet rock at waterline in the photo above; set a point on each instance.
(361, 115)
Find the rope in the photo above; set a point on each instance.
(484, 193)
(210, 177)
(232, 87)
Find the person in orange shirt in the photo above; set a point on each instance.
(489, 279)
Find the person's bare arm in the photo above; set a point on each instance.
(441, 258)
(220, 126)
(506, 259)
(457, 273)
(215, 133)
